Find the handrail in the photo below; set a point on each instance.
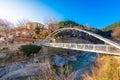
(100, 48)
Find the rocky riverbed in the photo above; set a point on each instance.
(80, 64)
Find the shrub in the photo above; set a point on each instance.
(34, 36)
(37, 30)
(30, 49)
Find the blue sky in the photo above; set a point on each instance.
(95, 13)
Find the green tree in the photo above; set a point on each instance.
(30, 49)
(37, 30)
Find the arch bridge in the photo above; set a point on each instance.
(108, 47)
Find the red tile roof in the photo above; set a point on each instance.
(24, 39)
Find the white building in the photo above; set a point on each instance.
(33, 25)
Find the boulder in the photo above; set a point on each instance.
(72, 58)
(52, 61)
(61, 61)
(92, 58)
(14, 67)
(58, 61)
(3, 55)
(2, 71)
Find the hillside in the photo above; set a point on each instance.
(114, 29)
(112, 26)
(69, 23)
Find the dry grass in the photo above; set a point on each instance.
(106, 68)
(51, 74)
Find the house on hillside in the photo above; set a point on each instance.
(2, 39)
(21, 31)
(23, 39)
(30, 26)
(2, 33)
(27, 31)
(33, 25)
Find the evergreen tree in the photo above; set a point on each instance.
(37, 30)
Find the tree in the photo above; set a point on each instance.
(36, 35)
(5, 27)
(30, 49)
(52, 24)
(68, 23)
(22, 23)
(37, 30)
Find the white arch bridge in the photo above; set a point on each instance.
(110, 47)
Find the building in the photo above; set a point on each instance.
(2, 39)
(33, 25)
(23, 39)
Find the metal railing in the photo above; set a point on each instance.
(99, 48)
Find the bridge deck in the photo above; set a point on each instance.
(99, 48)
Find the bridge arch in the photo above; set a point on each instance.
(110, 42)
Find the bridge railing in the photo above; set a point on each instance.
(85, 47)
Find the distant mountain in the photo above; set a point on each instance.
(114, 29)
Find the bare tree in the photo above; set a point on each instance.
(22, 23)
(5, 27)
(50, 20)
(52, 24)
